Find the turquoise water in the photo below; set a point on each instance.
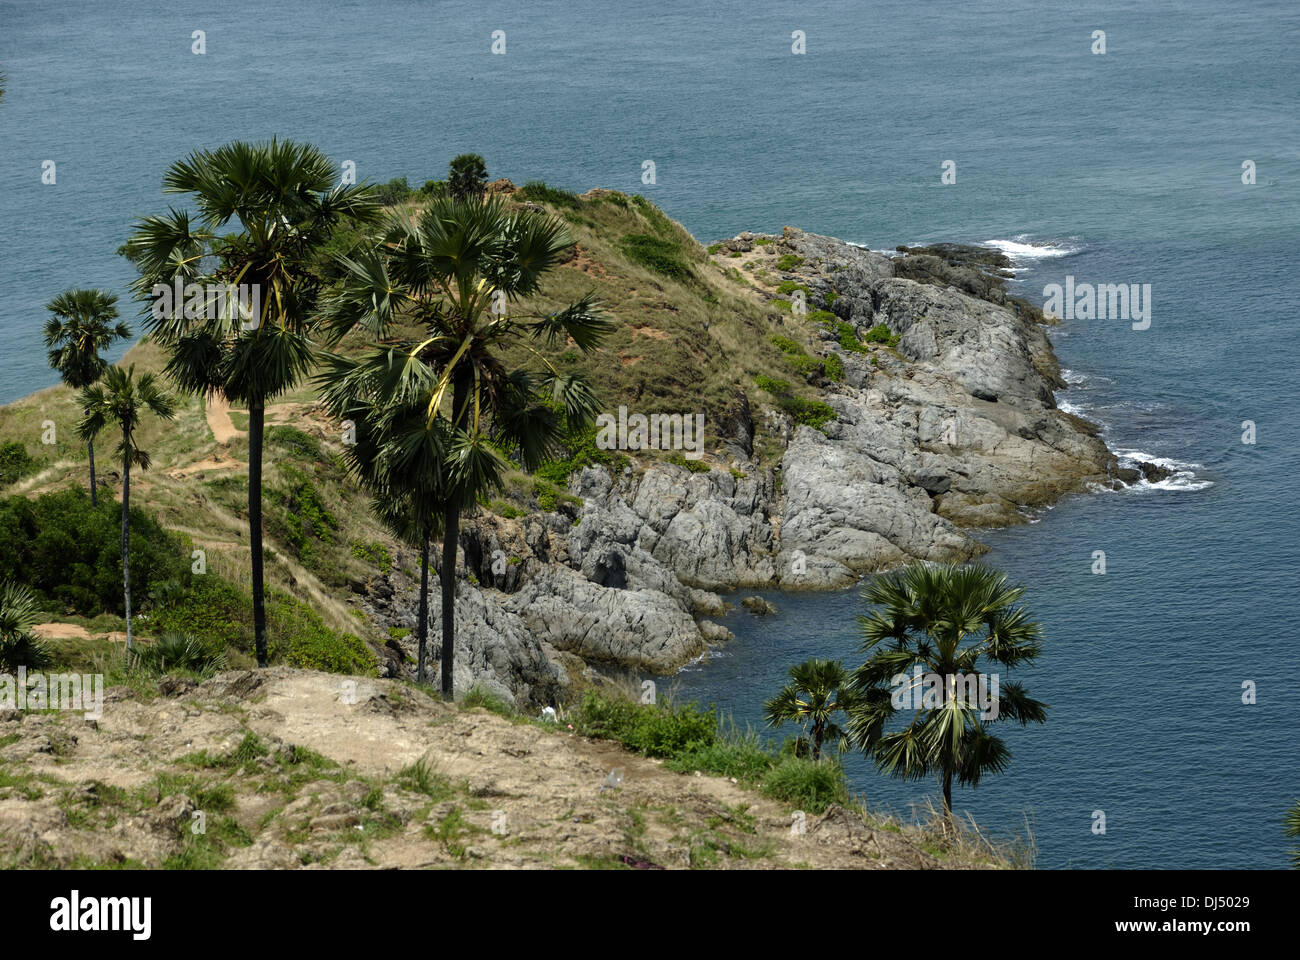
(1116, 168)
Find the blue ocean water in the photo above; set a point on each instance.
(1122, 167)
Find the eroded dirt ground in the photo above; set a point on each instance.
(286, 768)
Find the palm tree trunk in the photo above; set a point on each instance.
(256, 416)
(424, 605)
(447, 578)
(818, 736)
(94, 499)
(450, 535)
(126, 540)
(947, 794)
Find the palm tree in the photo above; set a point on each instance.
(82, 324)
(19, 612)
(466, 176)
(283, 205)
(942, 621)
(398, 455)
(122, 400)
(454, 272)
(818, 689)
(1291, 828)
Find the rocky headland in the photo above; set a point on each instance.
(945, 424)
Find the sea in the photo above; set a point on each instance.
(1112, 142)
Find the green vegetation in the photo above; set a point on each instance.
(942, 620)
(1291, 829)
(122, 400)
(788, 261)
(658, 255)
(16, 463)
(814, 413)
(302, 520)
(393, 192)
(18, 614)
(466, 177)
(81, 324)
(796, 356)
(881, 334)
(817, 691)
(539, 192)
(689, 738)
(833, 367)
(694, 466)
(430, 428)
(172, 652)
(266, 213)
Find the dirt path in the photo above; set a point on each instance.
(219, 422)
(297, 769)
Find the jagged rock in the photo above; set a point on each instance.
(759, 606)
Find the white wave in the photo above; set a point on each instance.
(1019, 249)
(1065, 406)
(1074, 377)
(1182, 477)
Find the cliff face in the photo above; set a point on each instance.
(952, 427)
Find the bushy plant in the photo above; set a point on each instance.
(656, 730)
(657, 255)
(69, 552)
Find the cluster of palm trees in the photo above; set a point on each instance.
(948, 621)
(437, 408)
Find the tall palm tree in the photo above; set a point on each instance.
(817, 691)
(19, 612)
(457, 272)
(82, 324)
(279, 204)
(122, 400)
(947, 622)
(398, 455)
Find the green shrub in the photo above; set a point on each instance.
(16, 463)
(213, 611)
(830, 298)
(657, 255)
(216, 612)
(807, 785)
(70, 552)
(656, 730)
(319, 648)
(732, 754)
(539, 192)
(302, 518)
(713, 248)
(375, 554)
(880, 333)
(172, 652)
(434, 189)
(790, 286)
(477, 696)
(394, 191)
(694, 466)
(814, 413)
(788, 261)
(763, 241)
(833, 367)
(295, 444)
